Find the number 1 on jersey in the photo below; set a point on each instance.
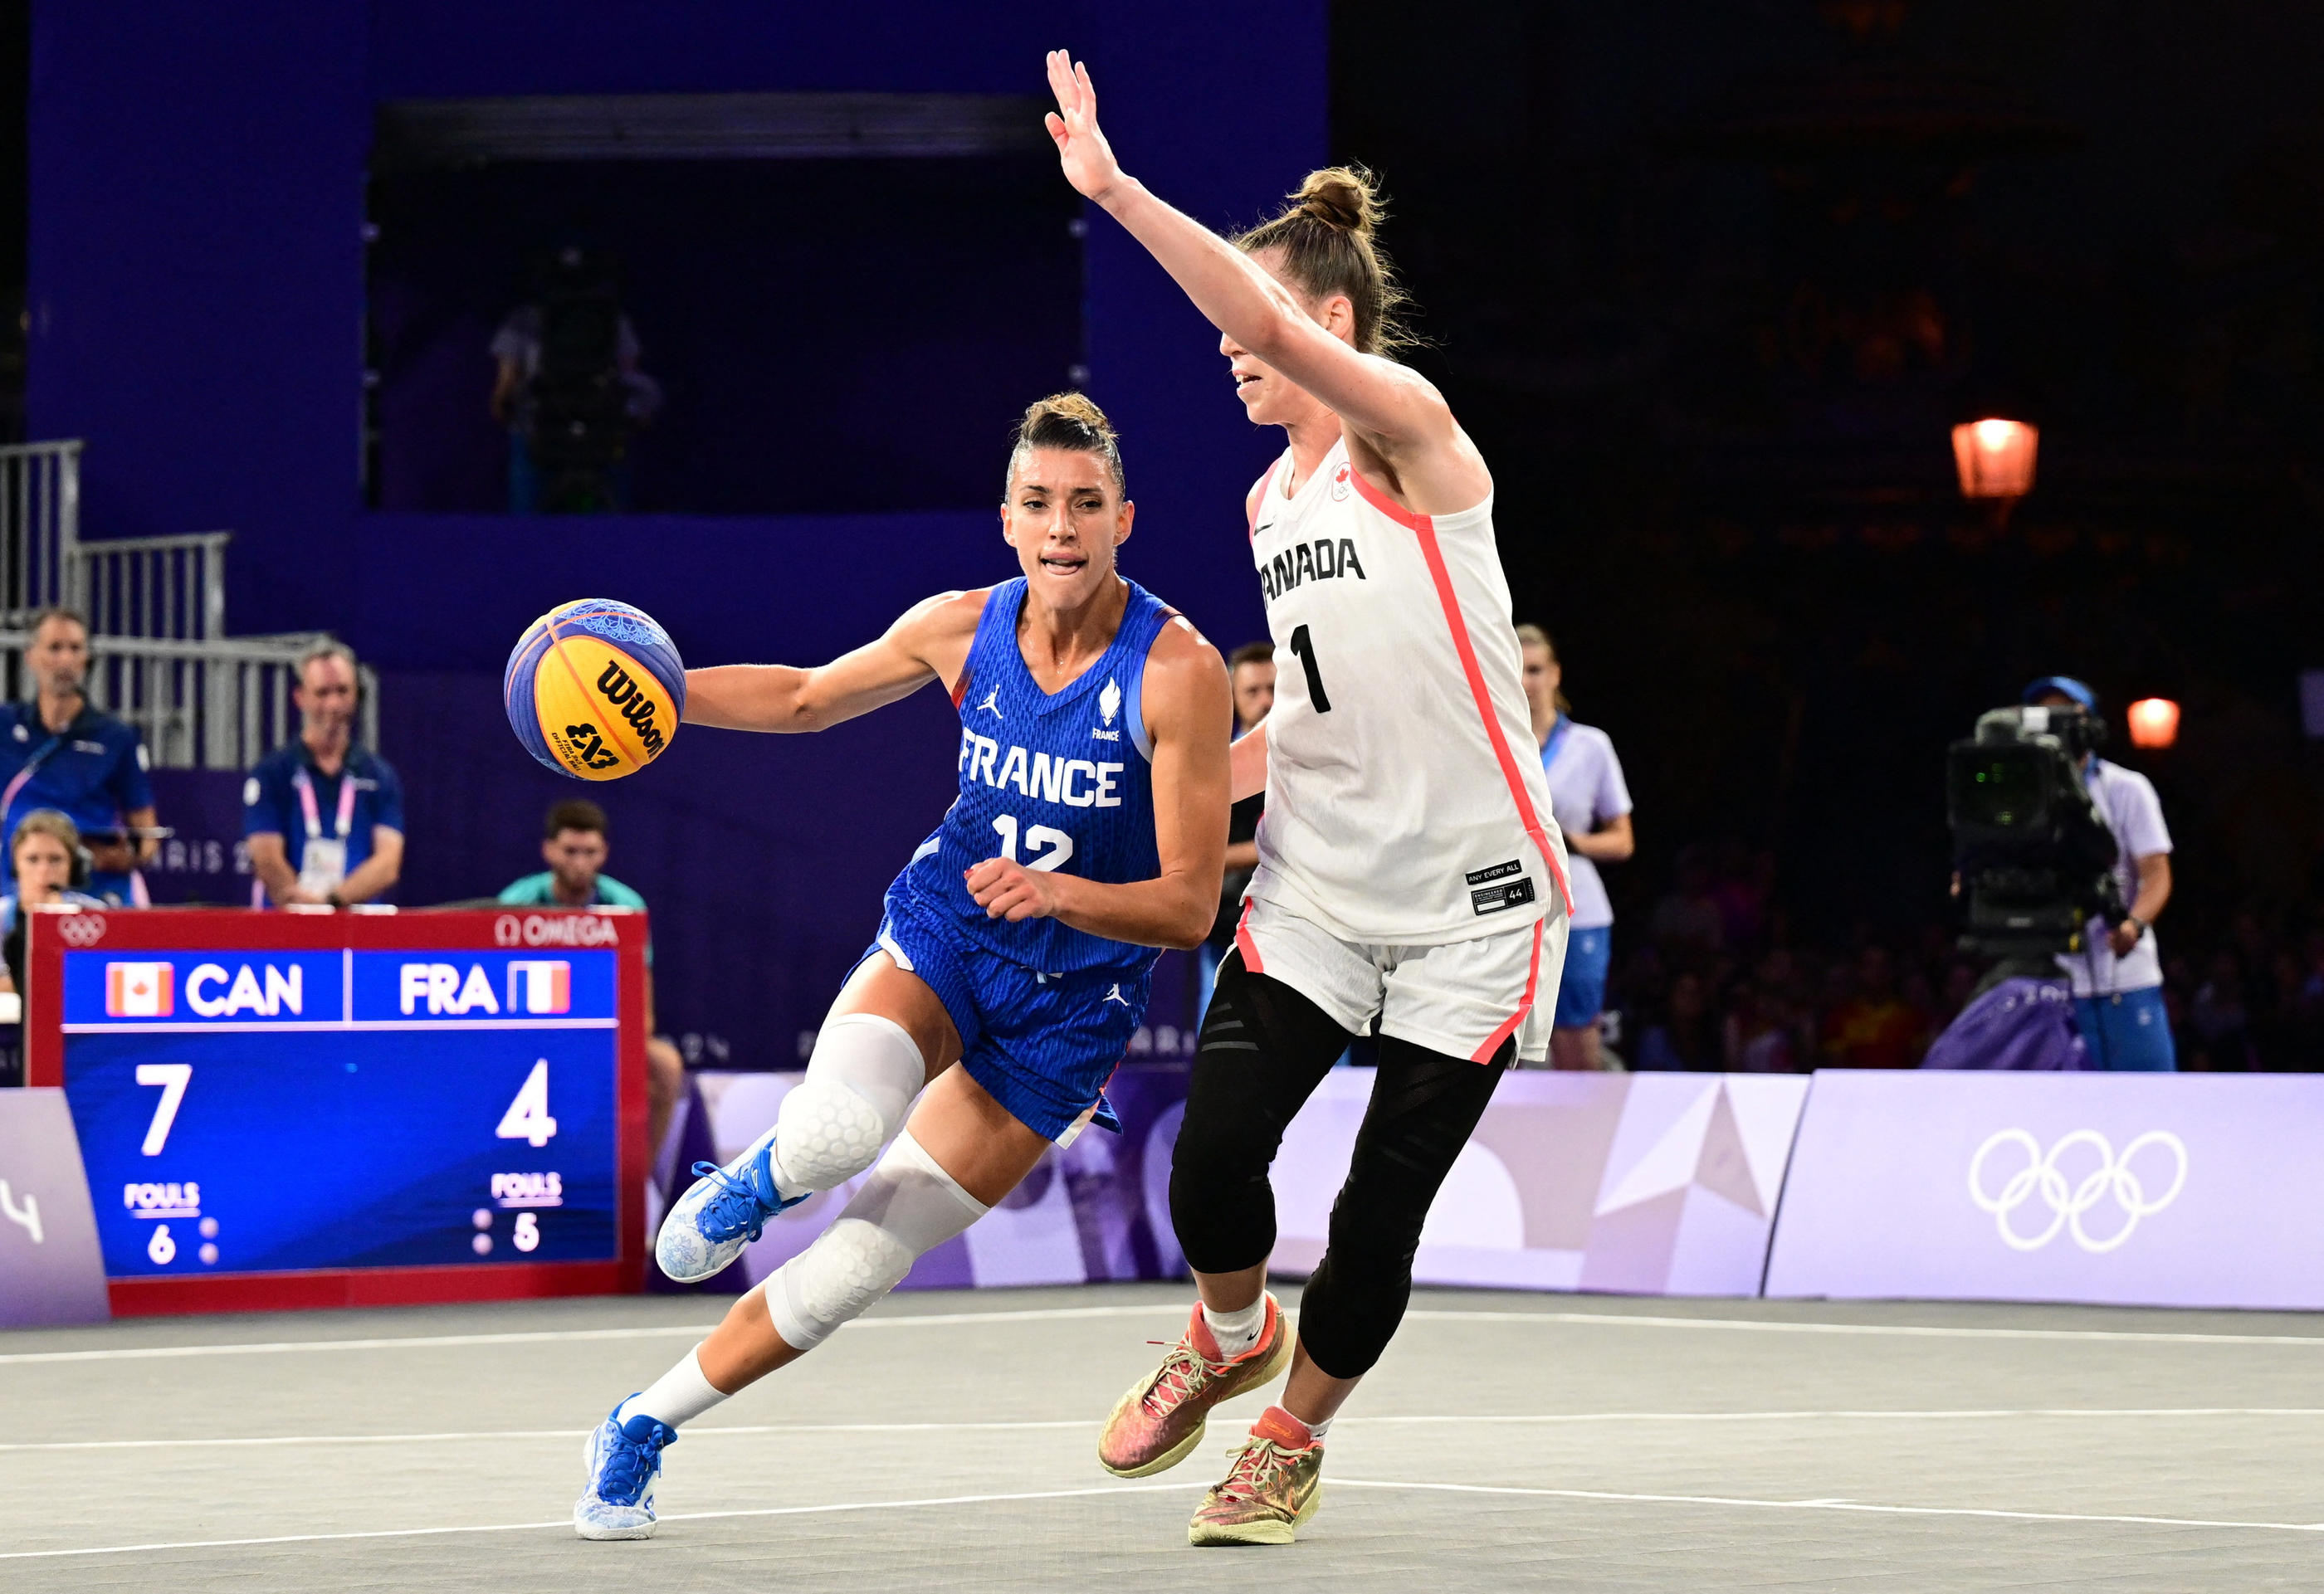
(1305, 648)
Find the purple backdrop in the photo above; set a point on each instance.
(196, 293)
(2132, 1189)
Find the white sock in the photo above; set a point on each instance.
(1237, 1331)
(1320, 1429)
(678, 1396)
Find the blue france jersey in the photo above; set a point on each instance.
(1059, 781)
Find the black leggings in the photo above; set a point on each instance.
(1264, 1049)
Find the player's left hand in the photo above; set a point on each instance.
(2124, 936)
(1082, 150)
(1008, 890)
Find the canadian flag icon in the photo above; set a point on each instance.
(138, 990)
(541, 986)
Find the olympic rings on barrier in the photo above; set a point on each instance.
(82, 930)
(2043, 1176)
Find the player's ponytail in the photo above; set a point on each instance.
(1326, 237)
(1073, 422)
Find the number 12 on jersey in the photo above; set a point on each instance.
(1059, 844)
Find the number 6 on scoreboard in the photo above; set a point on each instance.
(527, 1118)
(174, 1079)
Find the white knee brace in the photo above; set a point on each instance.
(865, 1073)
(907, 1208)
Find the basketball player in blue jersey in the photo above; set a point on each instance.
(1012, 962)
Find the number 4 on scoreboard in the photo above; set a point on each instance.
(527, 1118)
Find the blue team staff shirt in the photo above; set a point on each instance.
(270, 801)
(93, 771)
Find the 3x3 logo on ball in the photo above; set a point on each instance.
(625, 697)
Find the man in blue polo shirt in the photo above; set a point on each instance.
(59, 753)
(324, 816)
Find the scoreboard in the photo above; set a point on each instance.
(295, 1109)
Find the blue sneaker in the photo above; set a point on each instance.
(624, 1459)
(726, 1209)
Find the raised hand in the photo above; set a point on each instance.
(1082, 150)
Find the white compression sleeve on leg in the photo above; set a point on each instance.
(864, 1072)
(678, 1396)
(907, 1208)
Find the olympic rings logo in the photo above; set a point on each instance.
(2042, 1175)
(82, 930)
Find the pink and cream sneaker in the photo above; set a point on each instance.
(1273, 1488)
(1162, 1418)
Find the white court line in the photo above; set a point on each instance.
(1766, 1326)
(1590, 1493)
(1136, 1488)
(714, 1431)
(553, 1336)
(566, 1524)
(1065, 1313)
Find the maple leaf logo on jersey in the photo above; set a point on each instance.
(1109, 701)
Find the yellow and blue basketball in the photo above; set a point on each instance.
(594, 688)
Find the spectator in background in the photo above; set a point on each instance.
(59, 753)
(1687, 921)
(1592, 805)
(1250, 675)
(324, 816)
(2118, 977)
(575, 847)
(1684, 1039)
(1874, 1027)
(44, 860)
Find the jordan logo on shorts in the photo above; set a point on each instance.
(1115, 996)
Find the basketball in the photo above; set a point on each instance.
(594, 688)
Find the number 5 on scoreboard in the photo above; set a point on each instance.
(527, 1118)
(173, 1078)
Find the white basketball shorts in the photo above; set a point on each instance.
(1464, 999)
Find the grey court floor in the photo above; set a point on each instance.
(1507, 1440)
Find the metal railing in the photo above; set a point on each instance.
(172, 588)
(221, 704)
(40, 525)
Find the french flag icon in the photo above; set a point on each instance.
(139, 991)
(539, 986)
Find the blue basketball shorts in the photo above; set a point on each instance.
(1043, 1046)
(2128, 1031)
(1581, 996)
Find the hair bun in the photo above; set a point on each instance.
(1342, 197)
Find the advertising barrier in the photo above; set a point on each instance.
(1637, 1184)
(50, 1272)
(1093, 1211)
(1645, 1184)
(340, 1108)
(2129, 1189)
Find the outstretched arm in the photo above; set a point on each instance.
(929, 642)
(1187, 709)
(1398, 413)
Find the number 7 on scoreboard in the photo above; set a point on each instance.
(173, 1078)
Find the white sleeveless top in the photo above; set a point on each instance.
(1406, 804)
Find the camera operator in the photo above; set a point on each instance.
(2118, 977)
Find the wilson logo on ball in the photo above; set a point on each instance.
(621, 692)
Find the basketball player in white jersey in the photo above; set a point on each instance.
(1409, 876)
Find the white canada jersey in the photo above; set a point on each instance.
(1406, 805)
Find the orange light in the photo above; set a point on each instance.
(2153, 723)
(1994, 458)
